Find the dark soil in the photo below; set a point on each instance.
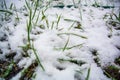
(28, 73)
(8, 69)
(117, 61)
(112, 72)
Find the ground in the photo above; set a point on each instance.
(59, 40)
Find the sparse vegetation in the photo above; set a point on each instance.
(39, 32)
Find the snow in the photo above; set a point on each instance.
(49, 45)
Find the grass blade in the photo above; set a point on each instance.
(73, 34)
(66, 44)
(70, 20)
(6, 11)
(27, 5)
(88, 74)
(75, 46)
(71, 25)
(52, 25)
(5, 4)
(59, 17)
(38, 60)
(37, 18)
(36, 5)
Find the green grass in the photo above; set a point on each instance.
(71, 25)
(37, 18)
(75, 61)
(88, 74)
(65, 46)
(8, 70)
(11, 6)
(6, 11)
(5, 4)
(58, 20)
(29, 28)
(109, 75)
(71, 20)
(36, 6)
(37, 58)
(52, 26)
(84, 37)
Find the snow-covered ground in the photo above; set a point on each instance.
(68, 41)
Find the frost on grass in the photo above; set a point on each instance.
(59, 39)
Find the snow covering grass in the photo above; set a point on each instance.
(59, 39)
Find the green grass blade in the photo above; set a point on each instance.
(88, 74)
(8, 70)
(43, 16)
(67, 48)
(117, 17)
(5, 4)
(75, 46)
(11, 5)
(52, 25)
(70, 20)
(58, 20)
(72, 34)
(7, 11)
(38, 60)
(27, 5)
(66, 44)
(71, 25)
(47, 23)
(36, 5)
(37, 18)
(109, 75)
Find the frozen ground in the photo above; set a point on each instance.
(72, 43)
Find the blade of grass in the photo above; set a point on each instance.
(70, 20)
(58, 20)
(7, 11)
(38, 60)
(11, 5)
(88, 74)
(52, 25)
(43, 16)
(47, 23)
(75, 61)
(29, 26)
(74, 46)
(8, 70)
(65, 44)
(109, 75)
(67, 48)
(37, 18)
(27, 5)
(36, 5)
(5, 4)
(117, 17)
(71, 25)
(72, 34)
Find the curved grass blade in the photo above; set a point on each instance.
(7, 11)
(72, 34)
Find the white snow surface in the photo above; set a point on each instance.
(49, 43)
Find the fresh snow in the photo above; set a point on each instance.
(49, 44)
